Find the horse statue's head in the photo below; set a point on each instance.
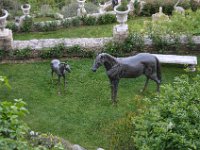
(103, 59)
(98, 62)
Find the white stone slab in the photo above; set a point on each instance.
(177, 59)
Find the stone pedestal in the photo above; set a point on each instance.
(120, 33)
(6, 39)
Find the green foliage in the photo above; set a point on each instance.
(194, 5)
(4, 81)
(21, 53)
(172, 120)
(123, 6)
(88, 20)
(45, 27)
(27, 24)
(3, 54)
(12, 27)
(76, 21)
(11, 125)
(66, 23)
(136, 5)
(134, 42)
(152, 6)
(76, 50)
(55, 52)
(113, 48)
(106, 19)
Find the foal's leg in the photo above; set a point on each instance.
(64, 80)
(59, 84)
(52, 76)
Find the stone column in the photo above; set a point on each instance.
(120, 33)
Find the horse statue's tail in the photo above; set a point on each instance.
(158, 69)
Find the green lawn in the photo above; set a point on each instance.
(135, 24)
(84, 112)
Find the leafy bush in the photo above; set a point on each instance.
(70, 10)
(172, 120)
(106, 19)
(3, 53)
(89, 20)
(46, 26)
(55, 52)
(21, 53)
(66, 23)
(12, 27)
(113, 48)
(76, 21)
(27, 24)
(134, 42)
(152, 6)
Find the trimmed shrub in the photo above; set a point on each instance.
(76, 21)
(106, 19)
(21, 54)
(88, 20)
(152, 6)
(27, 24)
(55, 52)
(66, 23)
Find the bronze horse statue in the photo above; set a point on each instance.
(129, 67)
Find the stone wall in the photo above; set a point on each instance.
(98, 43)
(38, 44)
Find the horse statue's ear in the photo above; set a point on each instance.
(102, 57)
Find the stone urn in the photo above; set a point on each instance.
(121, 16)
(81, 9)
(26, 9)
(3, 17)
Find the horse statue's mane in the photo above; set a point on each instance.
(108, 59)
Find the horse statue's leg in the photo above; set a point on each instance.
(146, 83)
(155, 78)
(114, 89)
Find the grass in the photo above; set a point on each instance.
(135, 24)
(82, 113)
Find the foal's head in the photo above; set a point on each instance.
(66, 67)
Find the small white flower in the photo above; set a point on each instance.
(32, 133)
